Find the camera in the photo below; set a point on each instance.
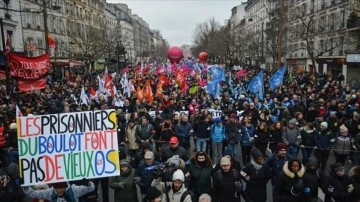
(164, 170)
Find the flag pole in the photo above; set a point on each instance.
(7, 73)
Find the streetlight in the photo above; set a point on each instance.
(262, 38)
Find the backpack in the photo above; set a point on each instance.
(186, 193)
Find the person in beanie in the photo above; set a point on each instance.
(276, 161)
(312, 180)
(292, 137)
(153, 195)
(342, 145)
(173, 191)
(337, 186)
(235, 164)
(227, 183)
(290, 185)
(60, 191)
(124, 185)
(256, 175)
(324, 140)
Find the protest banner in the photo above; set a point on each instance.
(214, 112)
(153, 113)
(68, 146)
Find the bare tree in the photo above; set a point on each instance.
(305, 29)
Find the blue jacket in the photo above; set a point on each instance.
(217, 133)
(246, 133)
(146, 173)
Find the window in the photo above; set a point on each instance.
(342, 19)
(332, 21)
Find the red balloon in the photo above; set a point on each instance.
(175, 54)
(203, 56)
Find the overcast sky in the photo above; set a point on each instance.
(177, 19)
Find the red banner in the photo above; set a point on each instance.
(25, 85)
(28, 67)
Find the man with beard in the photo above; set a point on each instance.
(174, 191)
(277, 161)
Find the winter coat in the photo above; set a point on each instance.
(335, 187)
(275, 164)
(73, 191)
(291, 137)
(217, 133)
(232, 132)
(275, 136)
(144, 132)
(131, 138)
(308, 138)
(224, 188)
(262, 139)
(173, 197)
(170, 152)
(284, 187)
(247, 133)
(200, 178)
(128, 193)
(322, 139)
(312, 180)
(146, 175)
(342, 145)
(202, 129)
(256, 177)
(182, 131)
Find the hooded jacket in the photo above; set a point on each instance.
(285, 188)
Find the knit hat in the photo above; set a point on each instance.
(174, 160)
(153, 193)
(324, 124)
(280, 146)
(124, 163)
(338, 168)
(233, 115)
(293, 121)
(225, 161)
(228, 152)
(343, 129)
(178, 175)
(13, 126)
(218, 120)
(256, 153)
(312, 162)
(149, 155)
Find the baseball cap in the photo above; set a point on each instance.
(174, 140)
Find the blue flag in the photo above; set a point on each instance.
(277, 79)
(256, 85)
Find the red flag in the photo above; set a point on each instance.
(163, 80)
(125, 71)
(8, 47)
(25, 85)
(139, 94)
(107, 81)
(51, 41)
(148, 92)
(159, 91)
(180, 79)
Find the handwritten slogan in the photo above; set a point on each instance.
(68, 146)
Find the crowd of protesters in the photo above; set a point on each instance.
(235, 155)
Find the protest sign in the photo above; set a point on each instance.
(68, 146)
(214, 112)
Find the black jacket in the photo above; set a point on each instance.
(335, 187)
